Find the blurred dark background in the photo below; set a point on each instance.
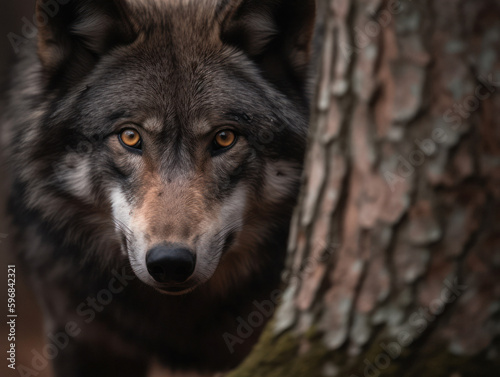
(29, 332)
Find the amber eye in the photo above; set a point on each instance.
(225, 139)
(130, 138)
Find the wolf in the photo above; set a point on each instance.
(155, 151)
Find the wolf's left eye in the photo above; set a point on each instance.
(224, 139)
(130, 138)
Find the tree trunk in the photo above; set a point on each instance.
(394, 252)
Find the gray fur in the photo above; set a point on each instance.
(178, 71)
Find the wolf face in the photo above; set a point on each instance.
(193, 122)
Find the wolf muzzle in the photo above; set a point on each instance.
(170, 263)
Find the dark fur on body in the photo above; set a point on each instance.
(178, 69)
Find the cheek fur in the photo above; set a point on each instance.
(281, 180)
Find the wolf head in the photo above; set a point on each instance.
(178, 124)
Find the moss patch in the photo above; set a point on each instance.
(430, 361)
(279, 357)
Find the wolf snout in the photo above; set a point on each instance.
(170, 263)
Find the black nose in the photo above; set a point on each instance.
(170, 263)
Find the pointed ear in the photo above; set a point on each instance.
(81, 30)
(276, 34)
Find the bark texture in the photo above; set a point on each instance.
(394, 258)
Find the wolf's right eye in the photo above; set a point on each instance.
(130, 138)
(224, 139)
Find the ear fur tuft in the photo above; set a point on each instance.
(83, 29)
(276, 34)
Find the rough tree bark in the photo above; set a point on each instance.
(394, 256)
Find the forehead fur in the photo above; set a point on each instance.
(184, 18)
(179, 71)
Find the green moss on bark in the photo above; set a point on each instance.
(283, 357)
(429, 361)
(280, 357)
